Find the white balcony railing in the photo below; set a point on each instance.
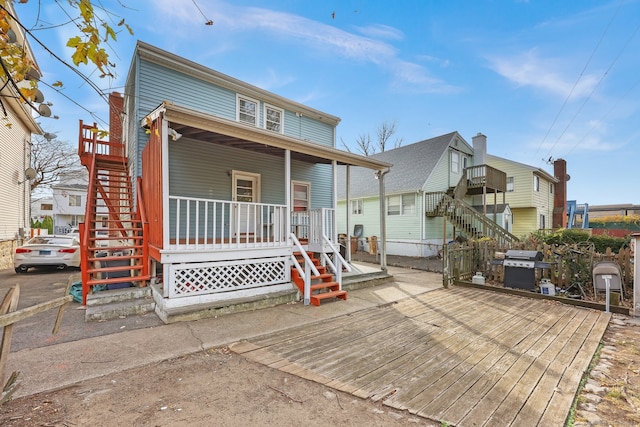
(207, 224)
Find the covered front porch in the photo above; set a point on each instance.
(236, 211)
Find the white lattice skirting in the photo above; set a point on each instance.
(191, 279)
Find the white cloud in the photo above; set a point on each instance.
(381, 32)
(548, 74)
(313, 35)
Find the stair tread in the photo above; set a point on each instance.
(317, 298)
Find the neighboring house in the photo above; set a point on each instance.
(17, 124)
(69, 201)
(41, 208)
(440, 189)
(231, 182)
(530, 195)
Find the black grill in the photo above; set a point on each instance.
(520, 268)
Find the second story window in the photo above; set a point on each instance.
(273, 118)
(455, 162)
(511, 184)
(536, 183)
(75, 200)
(46, 207)
(247, 111)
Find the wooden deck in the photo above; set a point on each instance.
(466, 357)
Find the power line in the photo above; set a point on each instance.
(593, 52)
(604, 75)
(207, 20)
(605, 115)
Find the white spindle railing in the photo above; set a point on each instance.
(201, 224)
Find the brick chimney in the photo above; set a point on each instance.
(116, 104)
(560, 195)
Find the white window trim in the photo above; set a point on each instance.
(293, 195)
(513, 185)
(536, 183)
(246, 98)
(457, 163)
(360, 203)
(402, 211)
(265, 115)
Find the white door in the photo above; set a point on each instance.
(246, 192)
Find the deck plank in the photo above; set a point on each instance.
(463, 356)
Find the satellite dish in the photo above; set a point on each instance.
(44, 110)
(11, 35)
(33, 74)
(568, 177)
(30, 173)
(49, 136)
(39, 97)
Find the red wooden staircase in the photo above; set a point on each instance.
(323, 286)
(114, 249)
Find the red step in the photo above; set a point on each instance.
(317, 298)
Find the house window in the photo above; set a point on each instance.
(551, 185)
(455, 162)
(301, 196)
(465, 162)
(542, 222)
(247, 111)
(273, 118)
(75, 200)
(402, 204)
(46, 207)
(536, 183)
(511, 184)
(357, 207)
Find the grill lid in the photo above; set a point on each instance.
(524, 255)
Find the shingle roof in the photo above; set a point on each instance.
(412, 166)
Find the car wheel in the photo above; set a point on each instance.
(21, 269)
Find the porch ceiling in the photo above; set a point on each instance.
(216, 130)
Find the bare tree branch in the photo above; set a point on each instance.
(385, 131)
(50, 159)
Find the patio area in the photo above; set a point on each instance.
(466, 357)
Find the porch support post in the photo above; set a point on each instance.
(334, 220)
(348, 215)
(287, 192)
(165, 181)
(383, 223)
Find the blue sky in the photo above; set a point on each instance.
(542, 79)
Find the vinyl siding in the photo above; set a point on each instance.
(439, 178)
(202, 170)
(155, 84)
(14, 209)
(370, 219)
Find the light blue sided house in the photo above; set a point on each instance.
(437, 190)
(235, 188)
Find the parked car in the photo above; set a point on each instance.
(39, 251)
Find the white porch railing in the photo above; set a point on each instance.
(208, 224)
(314, 225)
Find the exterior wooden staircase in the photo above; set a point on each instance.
(323, 286)
(114, 249)
(451, 205)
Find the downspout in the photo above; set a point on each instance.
(379, 174)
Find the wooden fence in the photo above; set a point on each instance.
(569, 263)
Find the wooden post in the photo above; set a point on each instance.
(9, 304)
